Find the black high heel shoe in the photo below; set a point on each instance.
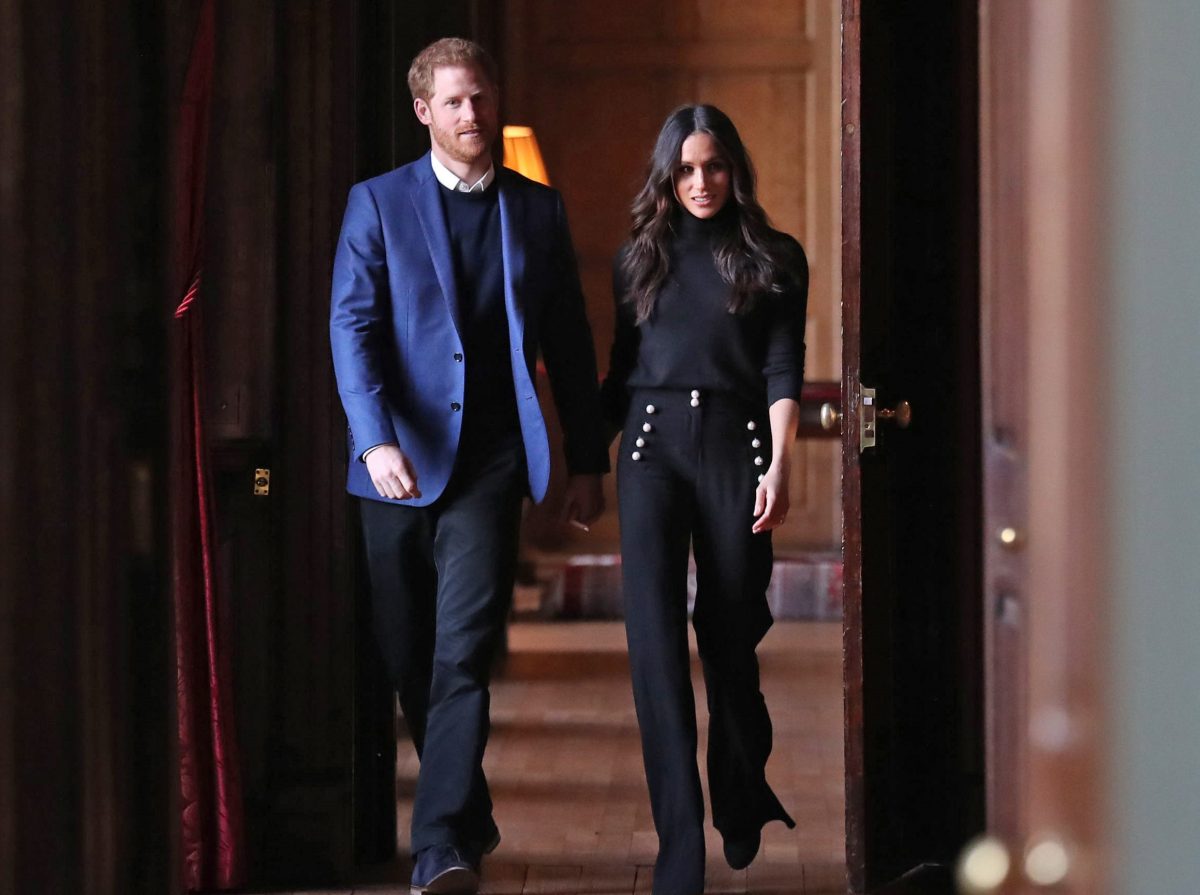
(741, 850)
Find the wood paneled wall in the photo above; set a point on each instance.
(597, 80)
(86, 646)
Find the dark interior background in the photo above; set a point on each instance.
(922, 623)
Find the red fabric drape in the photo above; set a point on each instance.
(209, 775)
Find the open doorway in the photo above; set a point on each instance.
(863, 124)
(595, 96)
(595, 83)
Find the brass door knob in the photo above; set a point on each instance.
(983, 866)
(830, 417)
(901, 414)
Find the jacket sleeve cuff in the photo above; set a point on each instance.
(363, 456)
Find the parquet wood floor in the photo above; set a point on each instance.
(564, 764)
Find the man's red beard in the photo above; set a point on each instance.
(468, 151)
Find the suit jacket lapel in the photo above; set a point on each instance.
(432, 215)
(512, 228)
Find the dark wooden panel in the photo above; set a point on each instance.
(85, 771)
(285, 81)
(241, 242)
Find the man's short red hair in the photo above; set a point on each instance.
(445, 52)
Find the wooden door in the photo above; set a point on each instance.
(87, 662)
(911, 501)
(1040, 132)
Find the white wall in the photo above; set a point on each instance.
(1155, 473)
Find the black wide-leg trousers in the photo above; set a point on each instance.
(441, 585)
(688, 469)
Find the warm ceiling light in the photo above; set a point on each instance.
(521, 153)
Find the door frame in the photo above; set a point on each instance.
(1043, 360)
(852, 622)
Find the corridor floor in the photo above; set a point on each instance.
(565, 769)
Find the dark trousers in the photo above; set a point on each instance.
(441, 584)
(690, 480)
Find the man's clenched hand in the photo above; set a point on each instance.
(392, 473)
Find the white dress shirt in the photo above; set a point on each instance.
(451, 181)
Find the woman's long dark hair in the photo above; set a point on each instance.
(748, 254)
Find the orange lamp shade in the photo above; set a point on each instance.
(521, 153)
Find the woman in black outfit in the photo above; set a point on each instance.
(704, 380)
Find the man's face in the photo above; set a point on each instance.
(461, 114)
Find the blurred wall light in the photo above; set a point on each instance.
(521, 153)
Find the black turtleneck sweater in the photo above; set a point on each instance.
(693, 341)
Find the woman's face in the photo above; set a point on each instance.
(702, 176)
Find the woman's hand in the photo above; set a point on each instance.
(584, 501)
(771, 502)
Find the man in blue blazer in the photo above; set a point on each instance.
(451, 275)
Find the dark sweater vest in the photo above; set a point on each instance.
(490, 405)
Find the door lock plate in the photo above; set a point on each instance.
(869, 415)
(866, 417)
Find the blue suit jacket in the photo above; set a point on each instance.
(397, 343)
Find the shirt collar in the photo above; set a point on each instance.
(451, 181)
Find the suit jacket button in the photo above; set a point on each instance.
(458, 356)
(455, 406)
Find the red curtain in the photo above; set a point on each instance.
(213, 847)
